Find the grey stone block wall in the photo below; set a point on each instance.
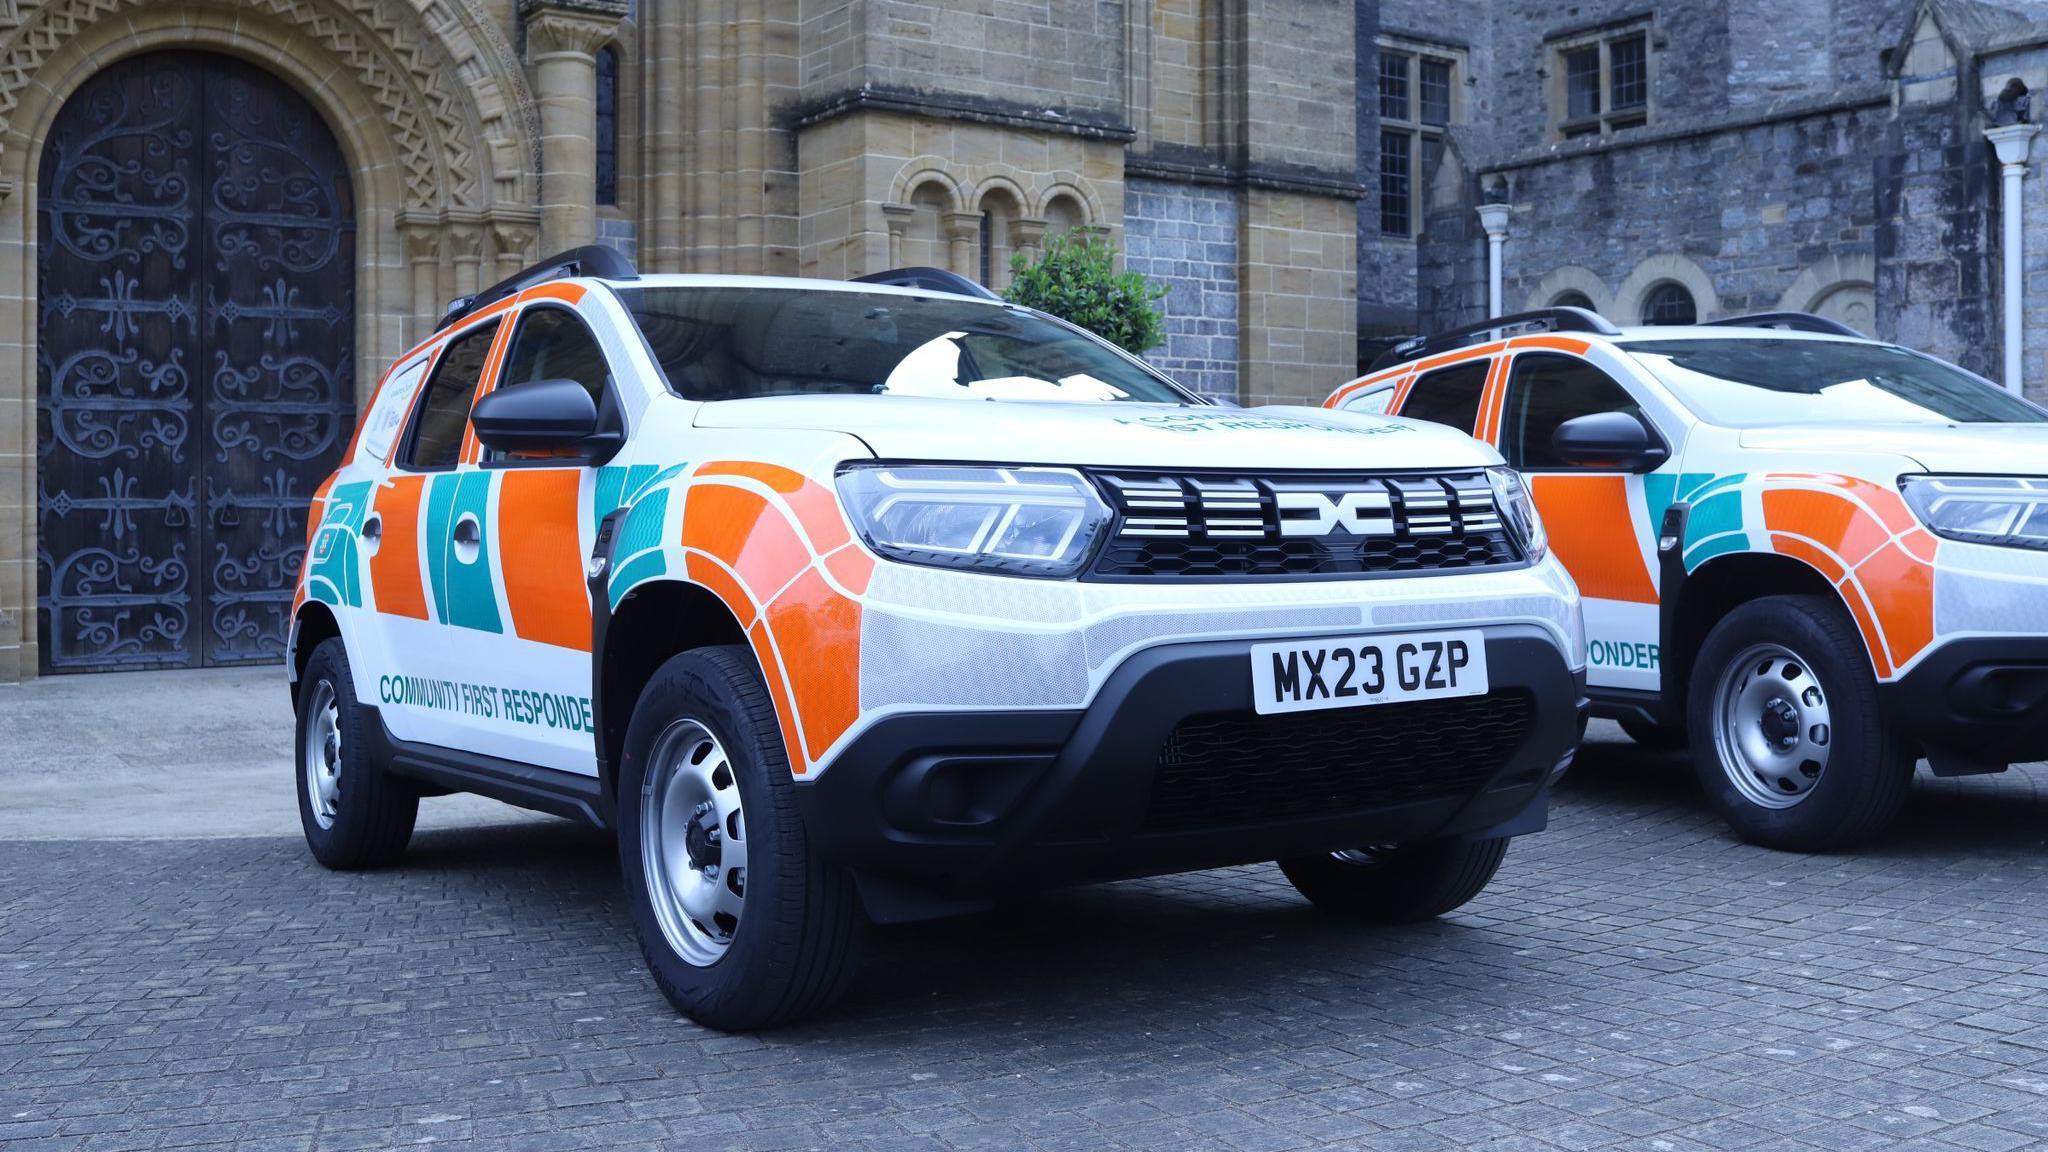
(1185, 237)
(619, 234)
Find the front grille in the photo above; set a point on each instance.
(1203, 526)
(1232, 769)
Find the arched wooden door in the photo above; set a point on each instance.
(195, 343)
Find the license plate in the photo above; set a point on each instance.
(1302, 675)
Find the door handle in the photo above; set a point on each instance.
(228, 517)
(372, 533)
(468, 537)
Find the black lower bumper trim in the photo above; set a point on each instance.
(564, 794)
(1976, 704)
(976, 804)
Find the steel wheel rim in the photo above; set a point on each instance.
(320, 750)
(693, 843)
(1773, 729)
(1368, 856)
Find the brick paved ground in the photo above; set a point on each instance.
(1634, 979)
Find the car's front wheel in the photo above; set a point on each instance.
(742, 926)
(1397, 883)
(355, 814)
(1788, 739)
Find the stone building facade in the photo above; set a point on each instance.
(220, 220)
(1672, 159)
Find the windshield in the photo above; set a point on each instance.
(733, 343)
(1758, 383)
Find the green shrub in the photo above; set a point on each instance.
(1077, 281)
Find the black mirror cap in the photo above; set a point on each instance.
(539, 415)
(1610, 441)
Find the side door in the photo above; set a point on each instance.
(1600, 522)
(430, 563)
(542, 524)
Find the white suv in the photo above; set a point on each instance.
(852, 602)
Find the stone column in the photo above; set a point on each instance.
(963, 237)
(562, 39)
(1494, 218)
(466, 251)
(512, 234)
(897, 218)
(422, 236)
(1027, 235)
(2012, 143)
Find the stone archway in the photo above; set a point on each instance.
(196, 320)
(431, 111)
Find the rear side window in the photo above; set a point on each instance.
(1449, 396)
(1546, 390)
(444, 410)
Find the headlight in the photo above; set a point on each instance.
(1018, 521)
(2007, 510)
(1518, 512)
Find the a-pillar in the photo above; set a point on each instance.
(562, 39)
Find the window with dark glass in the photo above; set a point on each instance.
(608, 125)
(1582, 83)
(1394, 85)
(1601, 82)
(444, 409)
(1544, 391)
(1669, 304)
(1396, 189)
(1628, 71)
(1434, 88)
(1448, 396)
(1417, 102)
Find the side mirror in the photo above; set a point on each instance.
(537, 416)
(1610, 441)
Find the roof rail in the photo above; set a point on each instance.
(1790, 321)
(929, 279)
(1562, 318)
(589, 260)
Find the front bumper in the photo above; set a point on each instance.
(1168, 770)
(1976, 704)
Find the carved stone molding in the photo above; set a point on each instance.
(407, 68)
(574, 26)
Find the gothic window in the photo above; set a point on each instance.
(608, 125)
(1417, 102)
(1574, 299)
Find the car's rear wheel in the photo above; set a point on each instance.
(742, 926)
(1788, 739)
(1397, 883)
(355, 814)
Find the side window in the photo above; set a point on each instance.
(386, 419)
(552, 344)
(444, 411)
(1544, 391)
(1373, 403)
(1449, 396)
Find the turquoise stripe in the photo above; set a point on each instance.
(440, 525)
(645, 566)
(472, 601)
(641, 529)
(341, 569)
(1706, 550)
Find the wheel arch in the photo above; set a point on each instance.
(653, 622)
(1709, 592)
(314, 624)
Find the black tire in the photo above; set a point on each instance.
(1655, 735)
(1399, 884)
(798, 936)
(373, 811)
(1869, 765)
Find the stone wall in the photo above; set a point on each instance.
(1184, 236)
(1296, 296)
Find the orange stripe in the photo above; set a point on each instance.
(1491, 399)
(1817, 557)
(541, 555)
(785, 713)
(1873, 640)
(747, 532)
(824, 626)
(722, 585)
(1901, 591)
(853, 569)
(395, 569)
(1827, 518)
(472, 451)
(567, 293)
(1587, 519)
(1401, 391)
(1561, 343)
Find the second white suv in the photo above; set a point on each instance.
(845, 602)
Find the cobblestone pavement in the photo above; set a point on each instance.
(1634, 979)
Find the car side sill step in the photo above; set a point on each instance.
(565, 794)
